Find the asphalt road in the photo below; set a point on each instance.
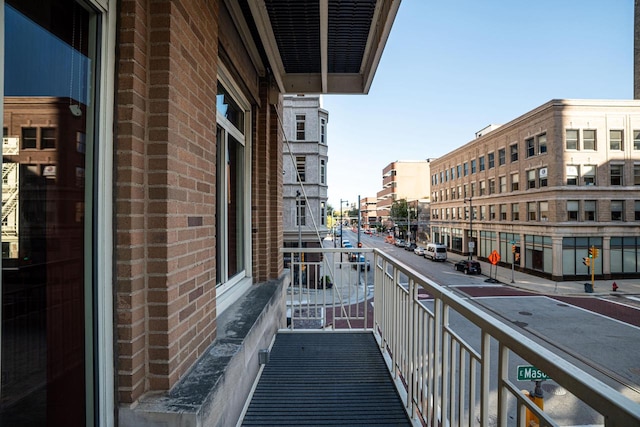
(600, 336)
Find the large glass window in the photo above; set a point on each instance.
(232, 249)
(48, 206)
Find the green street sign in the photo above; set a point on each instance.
(530, 373)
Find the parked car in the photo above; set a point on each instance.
(346, 243)
(468, 266)
(363, 262)
(410, 246)
(436, 252)
(419, 250)
(399, 243)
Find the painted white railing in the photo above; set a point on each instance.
(445, 375)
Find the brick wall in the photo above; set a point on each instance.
(165, 207)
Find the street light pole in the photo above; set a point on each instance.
(341, 221)
(298, 219)
(471, 242)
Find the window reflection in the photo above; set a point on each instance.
(47, 81)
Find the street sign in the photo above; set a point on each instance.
(530, 373)
(494, 257)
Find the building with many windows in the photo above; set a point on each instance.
(305, 159)
(544, 188)
(405, 179)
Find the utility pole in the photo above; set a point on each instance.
(471, 242)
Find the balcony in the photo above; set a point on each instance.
(354, 352)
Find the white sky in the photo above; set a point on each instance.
(452, 67)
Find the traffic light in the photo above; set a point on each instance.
(587, 261)
(513, 249)
(359, 244)
(596, 252)
(517, 256)
(590, 252)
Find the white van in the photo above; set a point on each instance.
(436, 252)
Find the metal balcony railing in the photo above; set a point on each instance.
(444, 375)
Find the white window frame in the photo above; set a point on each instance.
(231, 289)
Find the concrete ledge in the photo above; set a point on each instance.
(214, 391)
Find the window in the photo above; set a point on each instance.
(483, 188)
(48, 138)
(323, 212)
(589, 210)
(514, 182)
(615, 140)
(483, 213)
(636, 209)
(544, 211)
(531, 179)
(636, 139)
(531, 147)
(572, 174)
(636, 174)
(492, 212)
(301, 163)
(617, 210)
(473, 189)
(492, 186)
(323, 131)
(473, 166)
(532, 210)
(542, 174)
(492, 160)
(48, 344)
(323, 172)
(482, 163)
(615, 174)
(29, 138)
(465, 190)
(589, 174)
(465, 167)
(514, 152)
(301, 212)
(503, 184)
(232, 186)
(502, 156)
(503, 212)
(542, 143)
(572, 210)
(300, 127)
(589, 139)
(571, 139)
(515, 212)
(459, 167)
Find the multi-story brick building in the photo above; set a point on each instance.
(305, 161)
(143, 197)
(405, 179)
(550, 184)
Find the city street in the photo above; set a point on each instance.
(598, 333)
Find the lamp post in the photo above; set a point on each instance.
(471, 242)
(341, 221)
(298, 219)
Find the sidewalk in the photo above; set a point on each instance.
(533, 283)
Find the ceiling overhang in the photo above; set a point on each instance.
(323, 46)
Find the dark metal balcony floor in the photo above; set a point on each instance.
(326, 379)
